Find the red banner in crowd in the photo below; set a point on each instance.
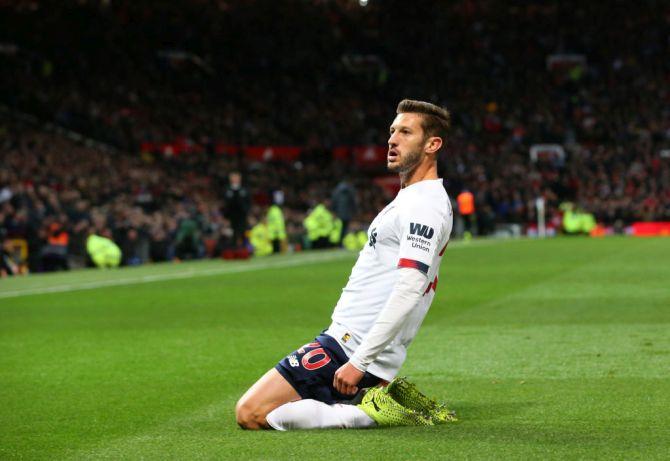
(272, 153)
(342, 153)
(226, 149)
(361, 156)
(369, 156)
(177, 147)
(650, 229)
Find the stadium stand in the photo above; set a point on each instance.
(185, 92)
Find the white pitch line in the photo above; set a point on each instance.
(191, 273)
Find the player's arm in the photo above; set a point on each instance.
(412, 282)
(406, 294)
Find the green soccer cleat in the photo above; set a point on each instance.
(385, 411)
(407, 395)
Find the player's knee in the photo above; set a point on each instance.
(249, 416)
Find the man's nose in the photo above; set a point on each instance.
(392, 141)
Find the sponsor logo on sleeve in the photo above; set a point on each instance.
(420, 235)
(373, 238)
(421, 230)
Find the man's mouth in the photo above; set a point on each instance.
(392, 155)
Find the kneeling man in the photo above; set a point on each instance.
(380, 310)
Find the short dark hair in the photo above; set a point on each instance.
(436, 120)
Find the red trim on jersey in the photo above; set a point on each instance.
(414, 264)
(431, 286)
(445, 247)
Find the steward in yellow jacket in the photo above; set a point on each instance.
(259, 237)
(276, 228)
(103, 251)
(323, 228)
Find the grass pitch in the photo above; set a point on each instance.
(553, 349)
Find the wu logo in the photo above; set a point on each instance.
(373, 238)
(421, 230)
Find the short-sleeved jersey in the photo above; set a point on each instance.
(412, 231)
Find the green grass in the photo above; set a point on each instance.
(554, 349)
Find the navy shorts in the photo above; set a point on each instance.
(311, 369)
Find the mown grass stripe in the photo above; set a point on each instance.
(45, 285)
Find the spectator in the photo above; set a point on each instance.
(344, 204)
(237, 207)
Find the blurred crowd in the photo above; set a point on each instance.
(55, 192)
(593, 78)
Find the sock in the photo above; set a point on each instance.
(312, 414)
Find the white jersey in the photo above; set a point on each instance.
(412, 231)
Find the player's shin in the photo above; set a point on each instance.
(312, 414)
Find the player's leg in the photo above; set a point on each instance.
(299, 394)
(312, 414)
(311, 370)
(273, 403)
(378, 408)
(269, 392)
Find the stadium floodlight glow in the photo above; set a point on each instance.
(363, 2)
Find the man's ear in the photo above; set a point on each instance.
(433, 144)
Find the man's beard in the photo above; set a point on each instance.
(408, 162)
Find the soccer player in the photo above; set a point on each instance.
(381, 308)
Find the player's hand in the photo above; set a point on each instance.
(347, 378)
